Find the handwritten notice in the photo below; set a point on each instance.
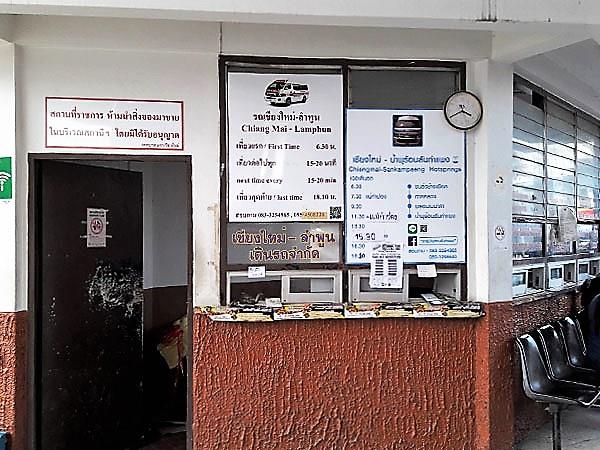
(426, 271)
(256, 272)
(114, 124)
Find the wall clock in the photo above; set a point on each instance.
(463, 110)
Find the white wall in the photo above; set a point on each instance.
(191, 77)
(8, 273)
(108, 58)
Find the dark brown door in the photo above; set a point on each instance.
(89, 314)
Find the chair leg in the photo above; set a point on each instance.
(555, 409)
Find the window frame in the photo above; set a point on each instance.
(345, 65)
(578, 116)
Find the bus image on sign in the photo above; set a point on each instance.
(282, 92)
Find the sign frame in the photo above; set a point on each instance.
(338, 157)
(407, 260)
(116, 100)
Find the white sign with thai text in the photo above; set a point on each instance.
(114, 124)
(405, 183)
(285, 146)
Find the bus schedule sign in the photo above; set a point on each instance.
(285, 147)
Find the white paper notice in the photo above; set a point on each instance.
(386, 266)
(567, 224)
(285, 145)
(405, 182)
(96, 228)
(256, 272)
(426, 271)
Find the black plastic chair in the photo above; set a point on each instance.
(539, 387)
(556, 359)
(573, 343)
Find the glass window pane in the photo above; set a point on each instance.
(560, 112)
(561, 186)
(584, 191)
(552, 211)
(521, 179)
(587, 208)
(557, 161)
(561, 125)
(524, 166)
(529, 153)
(584, 169)
(587, 238)
(560, 174)
(560, 150)
(560, 137)
(587, 147)
(401, 89)
(527, 240)
(561, 199)
(555, 246)
(527, 209)
(587, 125)
(525, 124)
(531, 140)
(587, 181)
(525, 108)
(588, 137)
(528, 195)
(587, 159)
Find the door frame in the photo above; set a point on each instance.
(33, 282)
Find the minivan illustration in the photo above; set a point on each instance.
(283, 92)
(407, 131)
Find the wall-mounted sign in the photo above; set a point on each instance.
(5, 178)
(285, 147)
(96, 227)
(283, 243)
(386, 266)
(101, 123)
(405, 183)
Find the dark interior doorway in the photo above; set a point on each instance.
(112, 287)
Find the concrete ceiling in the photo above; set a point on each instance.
(572, 72)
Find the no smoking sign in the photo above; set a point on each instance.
(96, 227)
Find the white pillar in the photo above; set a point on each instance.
(8, 246)
(489, 184)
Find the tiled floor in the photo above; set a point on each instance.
(168, 442)
(580, 431)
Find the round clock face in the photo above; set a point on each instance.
(463, 110)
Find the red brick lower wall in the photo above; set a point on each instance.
(13, 377)
(494, 411)
(345, 384)
(528, 316)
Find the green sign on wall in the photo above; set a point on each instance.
(5, 178)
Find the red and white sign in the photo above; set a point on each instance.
(102, 123)
(96, 228)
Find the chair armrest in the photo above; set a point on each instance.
(588, 399)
